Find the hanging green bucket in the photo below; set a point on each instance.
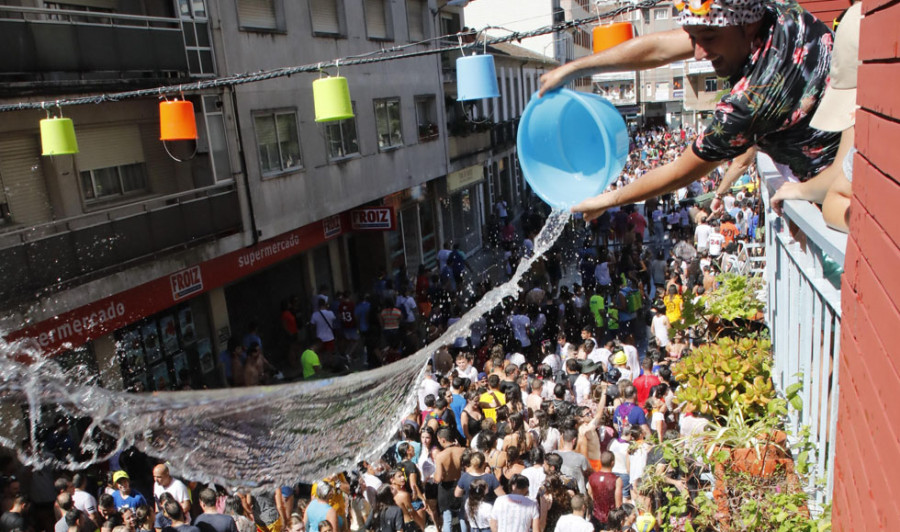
(58, 136)
(332, 99)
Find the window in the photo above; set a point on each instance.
(341, 137)
(711, 85)
(104, 183)
(258, 15)
(415, 18)
(660, 14)
(325, 18)
(218, 144)
(278, 141)
(378, 20)
(387, 123)
(426, 118)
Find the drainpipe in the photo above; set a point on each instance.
(241, 153)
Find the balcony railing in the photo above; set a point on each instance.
(84, 247)
(803, 262)
(38, 41)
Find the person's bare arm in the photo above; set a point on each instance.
(687, 168)
(493, 525)
(816, 188)
(641, 53)
(738, 166)
(836, 207)
(619, 490)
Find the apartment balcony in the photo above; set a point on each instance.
(804, 259)
(81, 248)
(503, 134)
(60, 50)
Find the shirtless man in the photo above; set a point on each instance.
(404, 501)
(588, 438)
(447, 470)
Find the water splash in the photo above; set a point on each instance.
(244, 436)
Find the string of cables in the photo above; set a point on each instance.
(377, 56)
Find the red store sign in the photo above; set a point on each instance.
(81, 325)
(373, 219)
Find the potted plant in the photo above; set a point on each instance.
(720, 375)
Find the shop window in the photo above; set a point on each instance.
(260, 15)
(341, 138)
(167, 351)
(415, 19)
(426, 118)
(378, 20)
(278, 142)
(113, 181)
(387, 123)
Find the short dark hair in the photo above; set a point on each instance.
(572, 365)
(61, 484)
(519, 482)
(554, 460)
(493, 380)
(570, 434)
(458, 382)
(207, 497)
(173, 510)
(445, 433)
(72, 516)
(106, 501)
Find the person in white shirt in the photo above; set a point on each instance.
(716, 241)
(575, 521)
(83, 500)
(634, 363)
(516, 512)
(701, 236)
(465, 369)
(427, 387)
(163, 482)
(535, 473)
(582, 384)
(520, 323)
(660, 326)
(324, 322)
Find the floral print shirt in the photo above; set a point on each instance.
(774, 97)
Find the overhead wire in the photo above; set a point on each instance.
(375, 56)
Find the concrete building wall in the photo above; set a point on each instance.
(322, 187)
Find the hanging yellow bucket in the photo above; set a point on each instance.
(605, 37)
(332, 99)
(177, 120)
(58, 136)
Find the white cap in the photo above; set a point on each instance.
(837, 109)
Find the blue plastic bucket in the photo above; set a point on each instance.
(571, 145)
(476, 78)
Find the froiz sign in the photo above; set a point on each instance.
(372, 219)
(186, 282)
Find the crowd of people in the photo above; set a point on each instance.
(546, 417)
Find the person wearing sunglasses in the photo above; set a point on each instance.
(776, 56)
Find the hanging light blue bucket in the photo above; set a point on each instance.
(476, 78)
(571, 146)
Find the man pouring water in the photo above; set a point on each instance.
(776, 56)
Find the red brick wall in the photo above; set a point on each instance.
(826, 10)
(866, 491)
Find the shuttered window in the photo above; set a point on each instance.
(376, 19)
(325, 16)
(257, 14)
(23, 181)
(415, 15)
(106, 147)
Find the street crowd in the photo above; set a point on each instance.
(546, 417)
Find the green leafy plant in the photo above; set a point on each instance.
(735, 297)
(720, 375)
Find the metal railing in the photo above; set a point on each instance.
(804, 259)
(58, 253)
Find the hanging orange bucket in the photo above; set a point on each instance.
(605, 37)
(177, 120)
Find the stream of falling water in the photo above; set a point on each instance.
(244, 436)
